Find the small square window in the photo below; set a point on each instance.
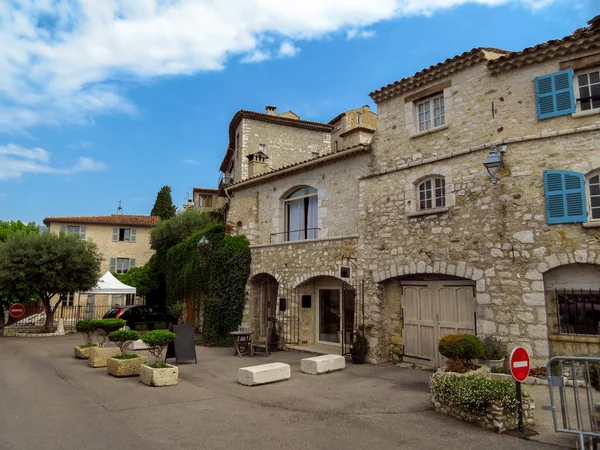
(124, 234)
(344, 272)
(588, 90)
(431, 113)
(262, 148)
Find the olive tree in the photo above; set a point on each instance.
(43, 266)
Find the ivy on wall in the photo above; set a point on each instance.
(213, 265)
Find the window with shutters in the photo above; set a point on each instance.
(554, 94)
(124, 234)
(565, 197)
(74, 229)
(587, 89)
(431, 113)
(205, 201)
(432, 193)
(121, 265)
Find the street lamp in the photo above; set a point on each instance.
(494, 164)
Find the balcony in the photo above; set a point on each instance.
(225, 179)
(290, 236)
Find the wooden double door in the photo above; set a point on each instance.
(431, 310)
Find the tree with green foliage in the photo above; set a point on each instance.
(146, 279)
(8, 229)
(47, 265)
(163, 206)
(171, 232)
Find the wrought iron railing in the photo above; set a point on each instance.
(301, 234)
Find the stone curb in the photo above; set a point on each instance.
(38, 335)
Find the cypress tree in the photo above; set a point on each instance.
(163, 206)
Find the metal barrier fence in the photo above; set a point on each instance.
(35, 316)
(576, 410)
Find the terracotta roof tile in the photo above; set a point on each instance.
(437, 72)
(112, 219)
(580, 41)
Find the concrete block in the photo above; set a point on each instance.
(322, 364)
(100, 355)
(167, 376)
(263, 374)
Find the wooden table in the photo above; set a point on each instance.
(242, 338)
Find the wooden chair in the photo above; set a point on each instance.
(263, 343)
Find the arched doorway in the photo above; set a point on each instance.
(420, 309)
(263, 289)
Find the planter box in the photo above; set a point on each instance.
(100, 355)
(491, 363)
(125, 367)
(159, 377)
(82, 353)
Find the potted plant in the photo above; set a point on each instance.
(494, 352)
(87, 328)
(159, 373)
(275, 330)
(125, 365)
(99, 355)
(360, 346)
(460, 351)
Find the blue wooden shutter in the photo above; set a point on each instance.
(113, 264)
(82, 231)
(63, 228)
(554, 94)
(132, 235)
(131, 263)
(115, 234)
(565, 197)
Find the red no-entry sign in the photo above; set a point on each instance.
(519, 364)
(17, 310)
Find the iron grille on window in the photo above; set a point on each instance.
(578, 311)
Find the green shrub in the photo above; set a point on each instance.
(494, 348)
(106, 326)
(141, 327)
(474, 393)
(157, 341)
(160, 325)
(464, 347)
(122, 338)
(87, 328)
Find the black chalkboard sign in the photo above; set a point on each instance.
(184, 347)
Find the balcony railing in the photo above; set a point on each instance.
(294, 235)
(225, 179)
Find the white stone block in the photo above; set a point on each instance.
(322, 364)
(263, 374)
(138, 345)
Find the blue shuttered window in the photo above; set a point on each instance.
(554, 94)
(565, 197)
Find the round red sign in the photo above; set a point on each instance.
(16, 310)
(519, 364)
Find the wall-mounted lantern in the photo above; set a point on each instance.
(494, 164)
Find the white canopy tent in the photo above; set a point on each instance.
(108, 284)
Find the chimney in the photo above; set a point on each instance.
(367, 107)
(271, 110)
(190, 203)
(257, 164)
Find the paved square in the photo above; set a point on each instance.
(50, 400)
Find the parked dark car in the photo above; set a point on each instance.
(136, 315)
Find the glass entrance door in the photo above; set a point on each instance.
(329, 315)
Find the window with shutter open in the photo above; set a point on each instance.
(554, 94)
(565, 197)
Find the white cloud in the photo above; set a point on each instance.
(191, 162)
(355, 33)
(16, 161)
(71, 60)
(80, 144)
(287, 50)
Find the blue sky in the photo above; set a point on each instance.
(108, 100)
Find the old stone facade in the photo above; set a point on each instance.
(353, 127)
(412, 229)
(123, 241)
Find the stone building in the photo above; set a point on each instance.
(412, 236)
(123, 240)
(353, 127)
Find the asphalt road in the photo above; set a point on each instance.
(49, 400)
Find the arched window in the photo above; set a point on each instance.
(432, 193)
(301, 214)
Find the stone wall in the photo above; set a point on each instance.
(258, 210)
(284, 145)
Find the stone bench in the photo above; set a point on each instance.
(322, 364)
(263, 374)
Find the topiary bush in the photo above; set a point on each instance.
(474, 393)
(122, 338)
(462, 347)
(157, 341)
(87, 328)
(106, 326)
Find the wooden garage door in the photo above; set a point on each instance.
(431, 310)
